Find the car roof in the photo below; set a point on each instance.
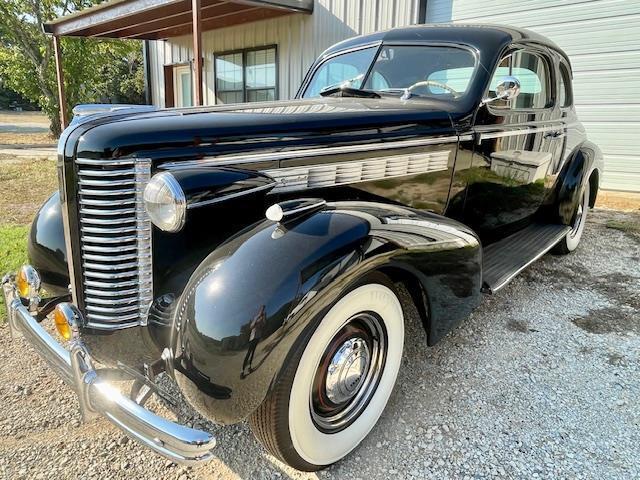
(481, 37)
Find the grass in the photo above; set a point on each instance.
(37, 138)
(626, 227)
(17, 118)
(25, 185)
(13, 252)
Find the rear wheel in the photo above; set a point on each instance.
(570, 242)
(338, 382)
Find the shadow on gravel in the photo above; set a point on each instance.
(610, 320)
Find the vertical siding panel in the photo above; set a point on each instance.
(153, 64)
(383, 16)
(207, 51)
(175, 52)
(295, 52)
(367, 17)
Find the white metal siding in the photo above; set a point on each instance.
(300, 39)
(602, 39)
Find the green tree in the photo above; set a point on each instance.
(95, 70)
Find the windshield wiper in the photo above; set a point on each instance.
(346, 91)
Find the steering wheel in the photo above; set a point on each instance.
(433, 83)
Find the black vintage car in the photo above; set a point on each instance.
(253, 252)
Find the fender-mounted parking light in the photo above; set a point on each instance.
(28, 284)
(67, 318)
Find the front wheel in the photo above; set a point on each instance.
(570, 242)
(338, 381)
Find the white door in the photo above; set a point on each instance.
(602, 39)
(183, 82)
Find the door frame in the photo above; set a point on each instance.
(178, 71)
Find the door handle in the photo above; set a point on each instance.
(554, 134)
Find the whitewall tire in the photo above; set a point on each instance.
(338, 385)
(571, 241)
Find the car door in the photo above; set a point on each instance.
(517, 144)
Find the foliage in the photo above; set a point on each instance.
(9, 98)
(95, 70)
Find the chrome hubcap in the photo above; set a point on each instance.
(347, 370)
(348, 373)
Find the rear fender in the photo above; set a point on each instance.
(253, 297)
(582, 163)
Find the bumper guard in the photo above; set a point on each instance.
(178, 443)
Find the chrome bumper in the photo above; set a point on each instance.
(96, 396)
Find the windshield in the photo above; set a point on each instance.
(422, 71)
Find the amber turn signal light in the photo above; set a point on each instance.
(66, 317)
(28, 282)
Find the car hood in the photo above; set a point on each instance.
(248, 127)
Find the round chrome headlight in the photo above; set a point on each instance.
(165, 202)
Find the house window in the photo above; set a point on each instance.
(246, 75)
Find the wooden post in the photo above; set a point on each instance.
(62, 102)
(197, 50)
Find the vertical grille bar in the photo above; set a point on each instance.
(115, 241)
(145, 247)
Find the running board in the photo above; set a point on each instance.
(505, 259)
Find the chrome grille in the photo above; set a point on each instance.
(115, 241)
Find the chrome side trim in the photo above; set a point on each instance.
(357, 171)
(98, 162)
(229, 196)
(179, 443)
(486, 135)
(311, 152)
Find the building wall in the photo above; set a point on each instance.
(602, 39)
(300, 39)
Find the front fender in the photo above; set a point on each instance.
(251, 299)
(46, 247)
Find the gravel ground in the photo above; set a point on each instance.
(540, 382)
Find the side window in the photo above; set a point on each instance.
(535, 84)
(565, 95)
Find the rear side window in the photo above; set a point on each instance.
(535, 83)
(565, 94)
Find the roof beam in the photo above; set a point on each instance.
(106, 19)
(156, 23)
(227, 20)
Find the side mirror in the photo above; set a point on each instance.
(508, 88)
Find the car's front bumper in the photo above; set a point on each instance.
(178, 443)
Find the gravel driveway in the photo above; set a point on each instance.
(541, 382)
